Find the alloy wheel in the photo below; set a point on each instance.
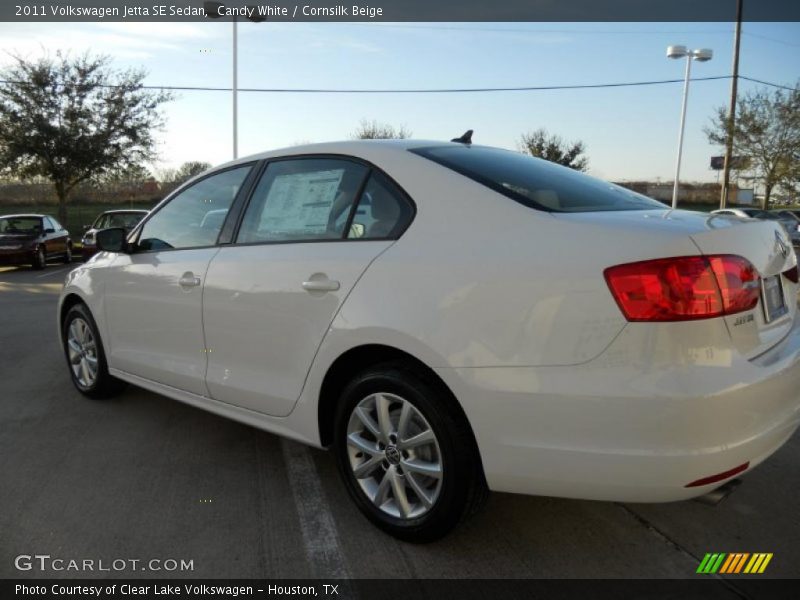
(394, 455)
(82, 350)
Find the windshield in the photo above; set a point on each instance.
(535, 182)
(24, 225)
(124, 220)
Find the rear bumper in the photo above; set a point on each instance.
(624, 427)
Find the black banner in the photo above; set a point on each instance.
(397, 10)
(700, 588)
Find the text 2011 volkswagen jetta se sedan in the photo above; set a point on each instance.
(452, 318)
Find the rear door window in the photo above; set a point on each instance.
(302, 200)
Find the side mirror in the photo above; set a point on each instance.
(112, 240)
(49, 230)
(87, 227)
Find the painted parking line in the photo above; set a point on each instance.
(320, 536)
(48, 273)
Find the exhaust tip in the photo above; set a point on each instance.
(716, 496)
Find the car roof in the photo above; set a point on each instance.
(366, 149)
(24, 215)
(124, 211)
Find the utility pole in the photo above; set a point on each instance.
(726, 169)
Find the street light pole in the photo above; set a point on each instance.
(215, 10)
(235, 94)
(676, 185)
(700, 55)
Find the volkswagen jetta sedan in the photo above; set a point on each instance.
(452, 319)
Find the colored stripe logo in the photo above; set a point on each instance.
(734, 563)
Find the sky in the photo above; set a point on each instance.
(631, 133)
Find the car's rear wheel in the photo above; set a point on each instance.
(83, 349)
(406, 454)
(39, 258)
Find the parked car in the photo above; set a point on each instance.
(492, 321)
(789, 214)
(29, 239)
(789, 222)
(126, 219)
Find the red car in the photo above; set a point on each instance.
(33, 240)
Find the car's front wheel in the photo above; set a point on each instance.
(406, 453)
(83, 349)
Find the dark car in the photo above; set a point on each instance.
(126, 219)
(33, 240)
(788, 214)
(788, 221)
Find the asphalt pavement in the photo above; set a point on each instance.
(144, 477)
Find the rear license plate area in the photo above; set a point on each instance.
(774, 300)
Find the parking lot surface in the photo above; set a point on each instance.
(145, 477)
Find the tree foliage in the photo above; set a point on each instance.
(373, 130)
(767, 134)
(128, 174)
(73, 119)
(541, 144)
(189, 169)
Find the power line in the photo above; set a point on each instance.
(434, 90)
(468, 29)
(770, 39)
(411, 90)
(775, 85)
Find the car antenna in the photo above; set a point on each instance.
(464, 139)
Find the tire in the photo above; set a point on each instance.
(39, 259)
(86, 360)
(452, 492)
(68, 255)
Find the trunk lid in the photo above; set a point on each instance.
(764, 243)
(768, 247)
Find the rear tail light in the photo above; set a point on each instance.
(684, 288)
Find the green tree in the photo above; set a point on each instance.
(541, 144)
(767, 134)
(129, 174)
(373, 130)
(75, 119)
(189, 169)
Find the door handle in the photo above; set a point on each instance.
(188, 279)
(323, 285)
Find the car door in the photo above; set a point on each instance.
(60, 237)
(153, 296)
(50, 236)
(270, 297)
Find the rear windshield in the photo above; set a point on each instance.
(21, 225)
(534, 182)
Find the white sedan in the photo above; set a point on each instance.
(451, 319)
